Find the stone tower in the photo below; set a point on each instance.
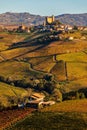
(50, 20)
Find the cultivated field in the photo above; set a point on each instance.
(67, 115)
(40, 55)
(68, 106)
(7, 118)
(8, 39)
(24, 57)
(16, 70)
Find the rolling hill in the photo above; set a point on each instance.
(71, 57)
(32, 19)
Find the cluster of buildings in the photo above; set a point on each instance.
(23, 28)
(15, 28)
(50, 24)
(36, 100)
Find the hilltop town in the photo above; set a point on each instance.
(49, 25)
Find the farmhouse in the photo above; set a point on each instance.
(36, 97)
(35, 100)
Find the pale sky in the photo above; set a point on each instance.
(45, 7)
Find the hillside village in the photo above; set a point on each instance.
(55, 27)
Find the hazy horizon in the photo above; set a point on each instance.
(43, 8)
(41, 15)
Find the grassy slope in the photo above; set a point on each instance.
(68, 106)
(7, 91)
(30, 49)
(45, 64)
(14, 69)
(8, 39)
(76, 56)
(63, 116)
(76, 64)
(76, 60)
(18, 70)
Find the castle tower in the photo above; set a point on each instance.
(53, 18)
(50, 20)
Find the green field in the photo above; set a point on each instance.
(63, 116)
(78, 106)
(76, 64)
(53, 121)
(73, 57)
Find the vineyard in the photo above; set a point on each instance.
(7, 118)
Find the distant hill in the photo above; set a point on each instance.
(73, 19)
(9, 18)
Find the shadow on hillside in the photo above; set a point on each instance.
(35, 49)
(28, 43)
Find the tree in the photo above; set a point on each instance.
(48, 77)
(57, 95)
(49, 87)
(77, 95)
(82, 95)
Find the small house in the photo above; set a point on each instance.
(37, 97)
